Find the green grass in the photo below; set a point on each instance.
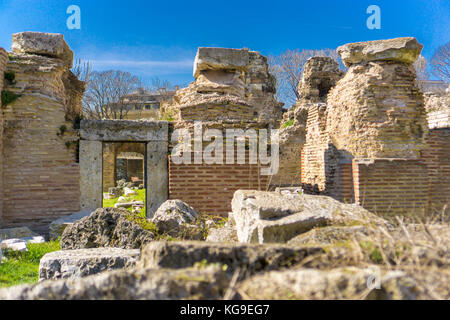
(23, 267)
(139, 197)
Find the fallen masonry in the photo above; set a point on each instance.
(83, 262)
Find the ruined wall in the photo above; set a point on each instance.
(306, 123)
(370, 143)
(391, 186)
(230, 84)
(377, 110)
(3, 61)
(41, 176)
(210, 188)
(313, 152)
(437, 158)
(437, 105)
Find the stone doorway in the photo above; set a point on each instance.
(98, 135)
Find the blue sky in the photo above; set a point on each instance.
(159, 38)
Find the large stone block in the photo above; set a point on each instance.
(148, 284)
(268, 217)
(57, 227)
(19, 232)
(40, 43)
(249, 258)
(399, 49)
(83, 262)
(220, 58)
(340, 283)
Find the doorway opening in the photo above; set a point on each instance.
(124, 175)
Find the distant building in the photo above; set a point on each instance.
(144, 104)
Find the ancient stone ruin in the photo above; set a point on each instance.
(367, 136)
(356, 148)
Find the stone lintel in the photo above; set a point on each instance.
(124, 130)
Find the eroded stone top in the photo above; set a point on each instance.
(40, 43)
(208, 58)
(399, 49)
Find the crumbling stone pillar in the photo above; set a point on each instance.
(91, 169)
(377, 110)
(376, 115)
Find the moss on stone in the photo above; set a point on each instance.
(8, 97)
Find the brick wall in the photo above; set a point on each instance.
(40, 173)
(313, 176)
(3, 60)
(210, 188)
(437, 158)
(391, 187)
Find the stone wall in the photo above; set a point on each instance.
(391, 187)
(210, 188)
(437, 158)
(377, 110)
(230, 84)
(3, 61)
(40, 173)
(370, 142)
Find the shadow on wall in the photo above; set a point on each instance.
(338, 180)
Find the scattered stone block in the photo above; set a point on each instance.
(83, 262)
(173, 217)
(13, 233)
(57, 227)
(341, 283)
(270, 217)
(106, 227)
(249, 258)
(136, 284)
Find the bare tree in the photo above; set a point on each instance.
(441, 62)
(104, 94)
(82, 70)
(421, 66)
(287, 68)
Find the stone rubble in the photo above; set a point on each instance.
(106, 227)
(265, 217)
(79, 263)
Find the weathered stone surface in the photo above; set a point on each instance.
(341, 283)
(12, 233)
(20, 244)
(385, 116)
(107, 227)
(320, 74)
(157, 175)
(83, 262)
(225, 234)
(273, 217)
(45, 44)
(91, 168)
(172, 216)
(327, 235)
(249, 258)
(148, 284)
(399, 49)
(208, 58)
(230, 84)
(124, 130)
(56, 228)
